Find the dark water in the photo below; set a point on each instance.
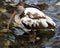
(52, 11)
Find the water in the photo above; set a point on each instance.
(49, 2)
(52, 12)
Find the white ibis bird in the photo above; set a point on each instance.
(32, 18)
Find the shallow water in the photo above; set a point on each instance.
(52, 12)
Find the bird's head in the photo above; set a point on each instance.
(20, 10)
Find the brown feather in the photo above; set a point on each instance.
(35, 16)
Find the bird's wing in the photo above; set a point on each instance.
(41, 23)
(40, 19)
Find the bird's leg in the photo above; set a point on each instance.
(32, 36)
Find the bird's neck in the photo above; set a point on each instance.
(17, 18)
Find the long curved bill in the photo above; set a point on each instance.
(11, 18)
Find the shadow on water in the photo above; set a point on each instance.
(18, 38)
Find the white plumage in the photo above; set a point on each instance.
(43, 21)
(33, 11)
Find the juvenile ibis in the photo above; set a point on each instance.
(32, 18)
